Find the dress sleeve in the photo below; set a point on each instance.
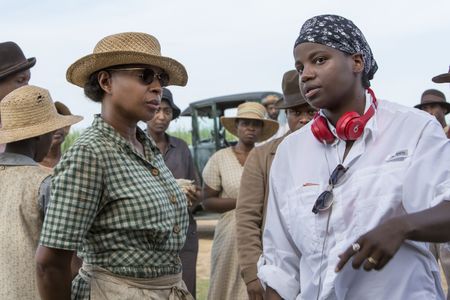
(77, 188)
(249, 215)
(278, 267)
(211, 173)
(427, 179)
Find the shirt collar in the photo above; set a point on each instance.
(14, 159)
(120, 141)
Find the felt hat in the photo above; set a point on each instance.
(12, 59)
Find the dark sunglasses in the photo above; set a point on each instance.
(325, 200)
(148, 75)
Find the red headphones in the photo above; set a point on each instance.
(349, 127)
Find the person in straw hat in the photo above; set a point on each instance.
(14, 71)
(254, 189)
(356, 194)
(29, 121)
(114, 201)
(54, 155)
(221, 177)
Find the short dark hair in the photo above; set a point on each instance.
(92, 88)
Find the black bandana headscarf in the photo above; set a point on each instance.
(339, 33)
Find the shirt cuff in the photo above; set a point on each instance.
(284, 284)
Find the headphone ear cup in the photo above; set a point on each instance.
(350, 126)
(321, 131)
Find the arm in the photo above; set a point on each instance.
(54, 278)
(69, 217)
(423, 221)
(271, 294)
(212, 201)
(249, 221)
(279, 264)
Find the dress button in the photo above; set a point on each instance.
(155, 171)
(173, 198)
(176, 229)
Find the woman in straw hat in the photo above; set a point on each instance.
(29, 121)
(113, 199)
(222, 176)
(54, 155)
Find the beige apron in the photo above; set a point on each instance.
(108, 286)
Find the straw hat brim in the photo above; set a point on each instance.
(442, 78)
(18, 134)
(79, 72)
(270, 127)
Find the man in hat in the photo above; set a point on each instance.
(434, 103)
(179, 161)
(29, 121)
(254, 189)
(14, 70)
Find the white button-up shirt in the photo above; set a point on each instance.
(400, 165)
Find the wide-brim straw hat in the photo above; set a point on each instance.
(29, 111)
(126, 48)
(442, 77)
(253, 111)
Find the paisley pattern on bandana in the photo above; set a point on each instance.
(339, 33)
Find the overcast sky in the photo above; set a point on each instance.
(230, 46)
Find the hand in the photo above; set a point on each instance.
(377, 246)
(194, 196)
(255, 290)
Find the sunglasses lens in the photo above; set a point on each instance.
(337, 174)
(323, 202)
(164, 79)
(148, 75)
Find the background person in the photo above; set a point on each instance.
(179, 160)
(221, 178)
(14, 71)
(254, 188)
(29, 121)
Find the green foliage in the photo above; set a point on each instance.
(202, 289)
(183, 134)
(70, 139)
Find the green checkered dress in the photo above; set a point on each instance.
(117, 209)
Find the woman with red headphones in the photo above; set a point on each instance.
(356, 193)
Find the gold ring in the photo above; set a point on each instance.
(372, 260)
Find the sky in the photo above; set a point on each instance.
(229, 46)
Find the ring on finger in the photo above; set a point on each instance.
(356, 247)
(372, 260)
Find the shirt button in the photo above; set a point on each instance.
(173, 198)
(176, 229)
(155, 171)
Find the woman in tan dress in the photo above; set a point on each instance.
(222, 176)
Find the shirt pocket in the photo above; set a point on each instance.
(305, 226)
